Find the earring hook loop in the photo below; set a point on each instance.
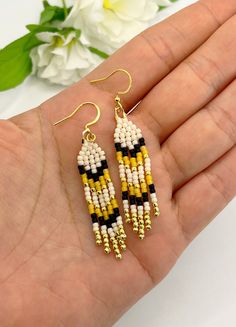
(111, 74)
(87, 134)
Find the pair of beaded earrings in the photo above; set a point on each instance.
(135, 175)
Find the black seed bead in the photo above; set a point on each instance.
(137, 148)
(139, 201)
(124, 151)
(132, 199)
(145, 196)
(116, 212)
(118, 147)
(141, 141)
(125, 195)
(104, 164)
(101, 220)
(152, 188)
(99, 171)
(94, 218)
(132, 153)
(108, 223)
(112, 218)
(95, 177)
(89, 174)
(81, 170)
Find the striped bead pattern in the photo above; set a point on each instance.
(101, 200)
(136, 177)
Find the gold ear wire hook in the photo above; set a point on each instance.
(112, 73)
(119, 108)
(87, 134)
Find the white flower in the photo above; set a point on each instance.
(108, 24)
(62, 59)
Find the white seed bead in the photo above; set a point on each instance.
(112, 192)
(126, 206)
(104, 227)
(153, 196)
(103, 231)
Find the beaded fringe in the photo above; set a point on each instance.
(135, 174)
(101, 200)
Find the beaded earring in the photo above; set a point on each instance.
(134, 167)
(99, 190)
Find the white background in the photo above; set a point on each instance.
(201, 289)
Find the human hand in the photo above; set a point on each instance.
(51, 273)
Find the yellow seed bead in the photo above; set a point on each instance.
(105, 215)
(149, 179)
(114, 203)
(126, 161)
(91, 208)
(84, 178)
(144, 150)
(119, 155)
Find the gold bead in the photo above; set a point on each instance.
(118, 256)
(107, 250)
(156, 209)
(141, 236)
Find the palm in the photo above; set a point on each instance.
(47, 247)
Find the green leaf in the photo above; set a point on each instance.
(47, 14)
(99, 53)
(45, 4)
(15, 61)
(52, 13)
(41, 28)
(163, 7)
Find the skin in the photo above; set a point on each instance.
(51, 273)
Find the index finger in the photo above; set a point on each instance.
(148, 57)
(155, 52)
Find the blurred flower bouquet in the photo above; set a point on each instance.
(69, 42)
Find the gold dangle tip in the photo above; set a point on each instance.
(156, 210)
(119, 256)
(98, 238)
